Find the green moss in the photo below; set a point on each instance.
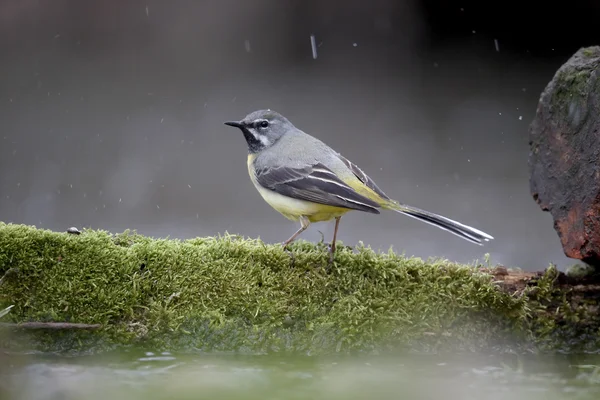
(591, 52)
(573, 85)
(580, 271)
(235, 294)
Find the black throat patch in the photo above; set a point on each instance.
(254, 145)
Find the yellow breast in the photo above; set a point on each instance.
(291, 208)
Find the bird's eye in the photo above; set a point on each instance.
(264, 124)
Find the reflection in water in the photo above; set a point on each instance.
(278, 377)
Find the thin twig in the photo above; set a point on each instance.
(49, 325)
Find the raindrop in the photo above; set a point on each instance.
(247, 45)
(520, 117)
(147, 11)
(354, 44)
(190, 186)
(73, 231)
(157, 207)
(161, 120)
(313, 45)
(120, 199)
(497, 45)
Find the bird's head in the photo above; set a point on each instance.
(262, 129)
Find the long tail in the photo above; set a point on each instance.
(461, 230)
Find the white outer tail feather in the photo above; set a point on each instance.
(456, 228)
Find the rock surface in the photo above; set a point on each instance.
(564, 159)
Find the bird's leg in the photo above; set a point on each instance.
(335, 230)
(304, 222)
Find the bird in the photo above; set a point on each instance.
(307, 181)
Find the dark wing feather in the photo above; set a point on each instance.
(364, 178)
(315, 183)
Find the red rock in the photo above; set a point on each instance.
(564, 158)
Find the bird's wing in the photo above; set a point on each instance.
(364, 178)
(315, 183)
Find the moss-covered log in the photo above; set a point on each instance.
(236, 294)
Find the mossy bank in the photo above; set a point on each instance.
(235, 294)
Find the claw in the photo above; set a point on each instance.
(322, 237)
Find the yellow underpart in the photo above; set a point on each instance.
(291, 208)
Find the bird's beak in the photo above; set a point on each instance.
(235, 124)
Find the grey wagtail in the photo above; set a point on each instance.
(307, 181)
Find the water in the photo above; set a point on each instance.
(137, 375)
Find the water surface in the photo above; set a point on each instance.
(148, 375)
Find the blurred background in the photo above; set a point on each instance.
(111, 113)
